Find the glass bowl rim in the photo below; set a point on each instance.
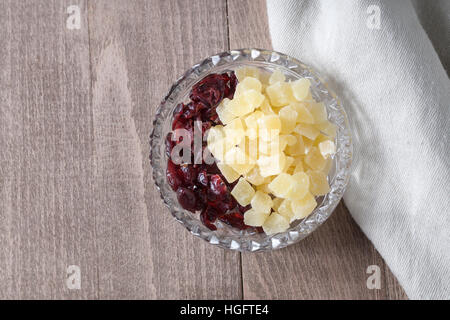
(277, 241)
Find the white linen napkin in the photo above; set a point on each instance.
(397, 94)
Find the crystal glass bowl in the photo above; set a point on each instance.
(226, 236)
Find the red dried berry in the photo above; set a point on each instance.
(202, 178)
(187, 199)
(208, 216)
(210, 90)
(173, 175)
(188, 173)
(234, 219)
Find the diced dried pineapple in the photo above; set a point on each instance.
(254, 177)
(264, 188)
(282, 185)
(291, 140)
(303, 207)
(277, 76)
(271, 165)
(289, 162)
(285, 209)
(269, 126)
(223, 112)
(255, 218)
(250, 83)
(280, 94)
(319, 183)
(243, 192)
(303, 113)
(327, 148)
(327, 128)
(296, 149)
(245, 103)
(300, 88)
(274, 146)
(250, 147)
(276, 203)
(235, 131)
(228, 172)
(275, 223)
(301, 185)
(261, 202)
(318, 111)
(299, 166)
(241, 73)
(314, 159)
(239, 160)
(307, 130)
(288, 117)
(266, 108)
(216, 142)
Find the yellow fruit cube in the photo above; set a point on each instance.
(291, 140)
(282, 185)
(238, 160)
(224, 113)
(252, 99)
(271, 165)
(241, 73)
(235, 131)
(307, 130)
(314, 159)
(276, 202)
(289, 162)
(277, 76)
(327, 128)
(327, 148)
(274, 146)
(254, 177)
(301, 185)
(318, 111)
(250, 83)
(275, 223)
(261, 202)
(269, 126)
(217, 143)
(319, 183)
(251, 122)
(250, 147)
(300, 89)
(296, 149)
(308, 144)
(280, 94)
(263, 187)
(288, 117)
(255, 218)
(299, 166)
(303, 113)
(266, 108)
(243, 192)
(285, 209)
(303, 207)
(228, 172)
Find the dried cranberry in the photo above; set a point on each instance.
(187, 199)
(188, 173)
(217, 188)
(210, 90)
(234, 219)
(173, 175)
(208, 216)
(202, 178)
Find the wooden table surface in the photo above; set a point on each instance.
(75, 180)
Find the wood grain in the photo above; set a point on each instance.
(332, 262)
(46, 172)
(138, 49)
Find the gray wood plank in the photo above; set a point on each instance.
(138, 50)
(332, 262)
(46, 203)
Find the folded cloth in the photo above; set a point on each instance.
(380, 60)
